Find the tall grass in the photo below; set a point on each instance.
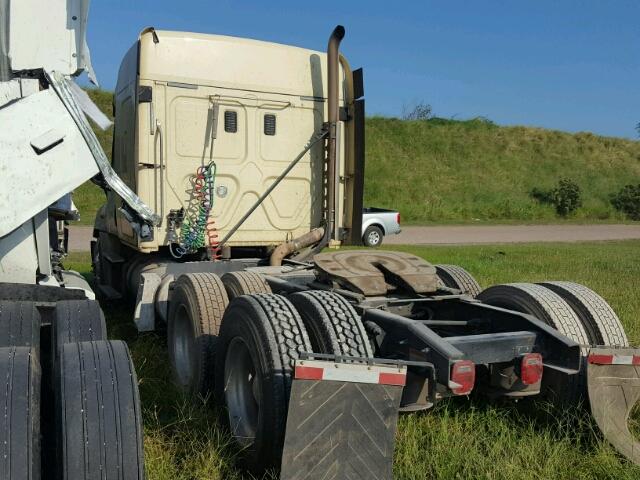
(459, 439)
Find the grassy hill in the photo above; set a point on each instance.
(447, 171)
(458, 171)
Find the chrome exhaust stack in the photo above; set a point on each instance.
(333, 97)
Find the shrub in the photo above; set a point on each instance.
(565, 197)
(421, 111)
(627, 201)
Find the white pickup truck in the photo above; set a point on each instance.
(378, 222)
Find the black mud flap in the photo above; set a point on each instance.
(613, 376)
(342, 421)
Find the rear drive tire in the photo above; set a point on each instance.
(453, 276)
(550, 308)
(333, 325)
(261, 337)
(20, 378)
(244, 283)
(373, 236)
(197, 304)
(540, 302)
(19, 324)
(99, 426)
(600, 321)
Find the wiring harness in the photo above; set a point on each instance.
(198, 230)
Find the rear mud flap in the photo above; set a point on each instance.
(342, 421)
(613, 376)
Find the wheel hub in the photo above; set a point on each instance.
(242, 392)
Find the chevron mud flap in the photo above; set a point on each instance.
(613, 376)
(342, 421)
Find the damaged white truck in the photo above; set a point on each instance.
(69, 404)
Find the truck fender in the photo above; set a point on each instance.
(372, 221)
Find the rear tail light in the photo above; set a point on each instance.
(398, 218)
(531, 368)
(463, 377)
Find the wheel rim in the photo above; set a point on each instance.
(374, 238)
(183, 340)
(242, 392)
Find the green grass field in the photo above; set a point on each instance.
(458, 439)
(445, 171)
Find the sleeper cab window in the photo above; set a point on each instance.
(269, 124)
(230, 121)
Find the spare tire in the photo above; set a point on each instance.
(20, 377)
(19, 324)
(244, 283)
(333, 325)
(261, 337)
(99, 427)
(600, 321)
(197, 304)
(453, 276)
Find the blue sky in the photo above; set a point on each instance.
(569, 65)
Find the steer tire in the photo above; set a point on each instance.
(99, 428)
(600, 321)
(244, 283)
(550, 308)
(333, 325)
(197, 304)
(19, 324)
(261, 337)
(78, 321)
(20, 377)
(453, 276)
(373, 236)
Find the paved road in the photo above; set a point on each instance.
(473, 234)
(79, 237)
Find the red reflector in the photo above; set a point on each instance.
(392, 379)
(463, 373)
(601, 359)
(398, 219)
(531, 368)
(309, 373)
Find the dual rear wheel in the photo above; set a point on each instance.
(575, 311)
(82, 422)
(255, 344)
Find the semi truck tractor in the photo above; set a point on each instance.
(251, 155)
